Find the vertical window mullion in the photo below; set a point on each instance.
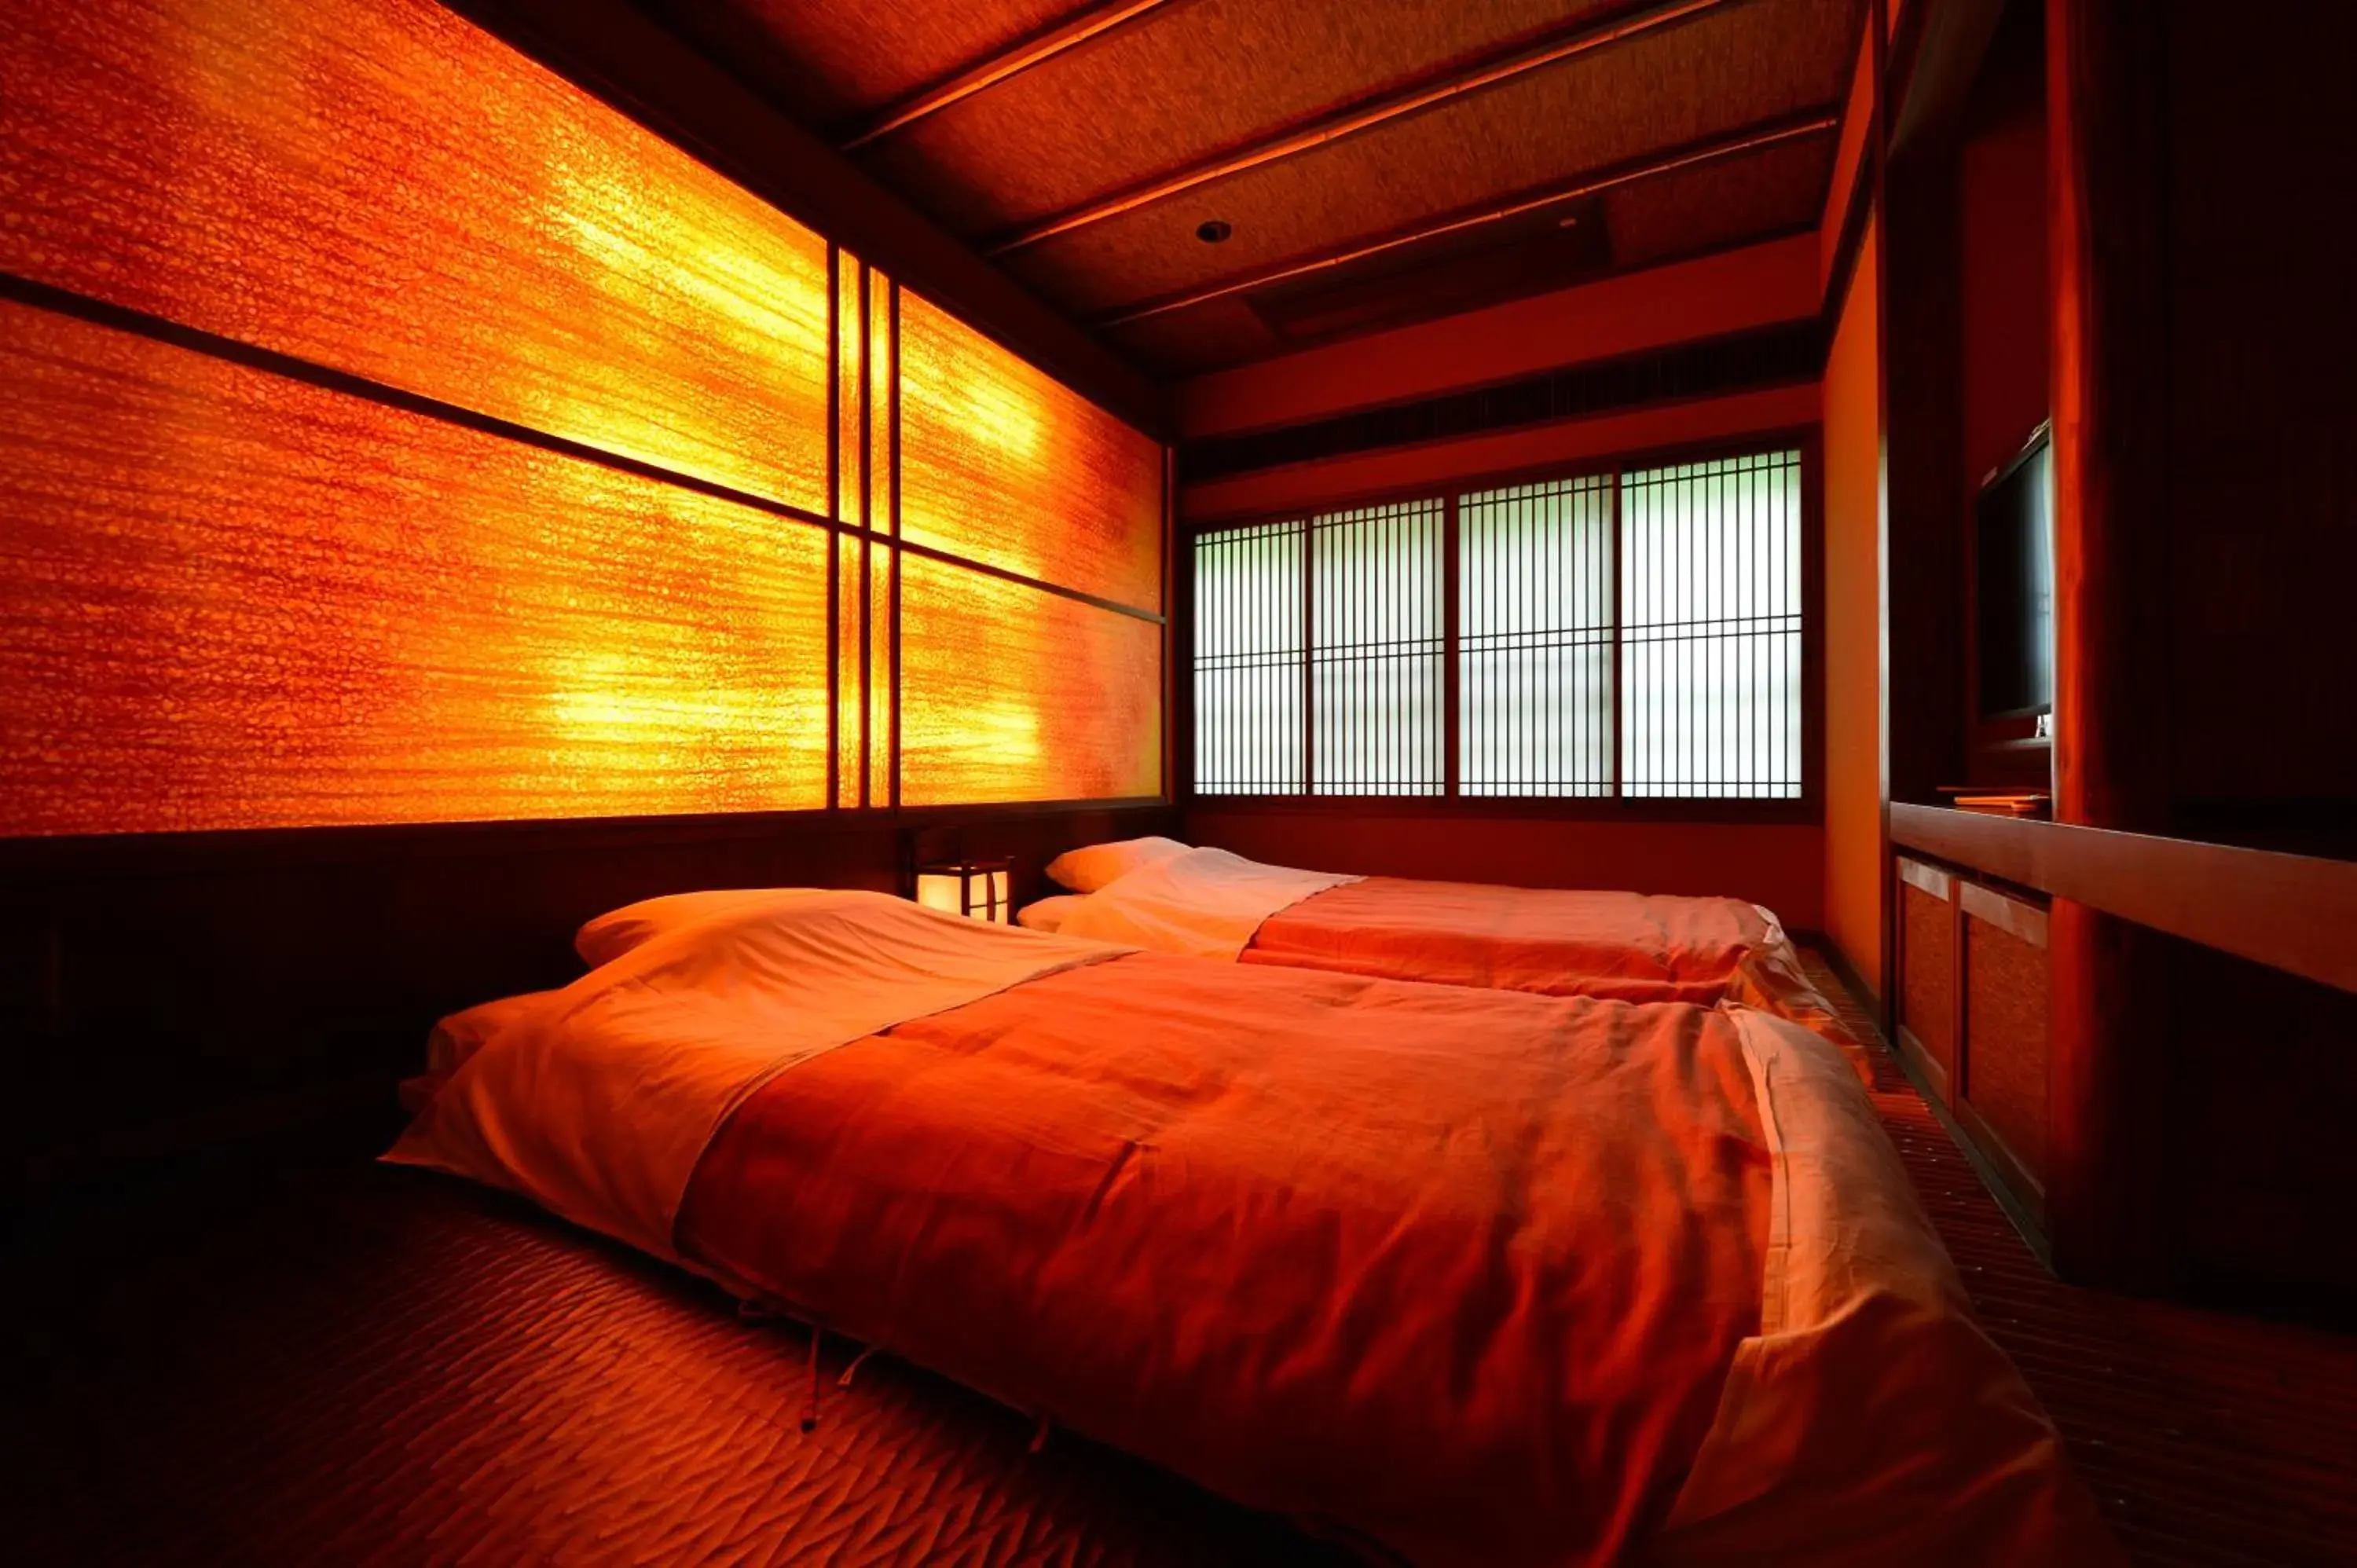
(1451, 651)
(1612, 531)
(1309, 657)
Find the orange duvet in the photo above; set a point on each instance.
(1558, 942)
(1423, 1264)
(1631, 947)
(1465, 1276)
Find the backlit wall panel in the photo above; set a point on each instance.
(1010, 693)
(277, 589)
(232, 600)
(379, 186)
(1002, 463)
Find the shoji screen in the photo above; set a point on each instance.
(1251, 698)
(390, 432)
(1628, 633)
(1710, 655)
(1321, 654)
(1376, 651)
(1537, 637)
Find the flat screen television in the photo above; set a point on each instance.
(2012, 586)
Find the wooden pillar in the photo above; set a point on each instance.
(2108, 1202)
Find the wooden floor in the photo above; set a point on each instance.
(343, 1364)
(2209, 1439)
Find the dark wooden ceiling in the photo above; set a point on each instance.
(1375, 161)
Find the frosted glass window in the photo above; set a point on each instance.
(232, 600)
(1535, 587)
(1629, 634)
(1249, 698)
(1710, 588)
(1375, 650)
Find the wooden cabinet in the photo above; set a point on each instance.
(1972, 1014)
(1927, 971)
(2003, 1098)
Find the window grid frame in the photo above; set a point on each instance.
(1616, 803)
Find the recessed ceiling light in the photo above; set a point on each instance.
(1212, 230)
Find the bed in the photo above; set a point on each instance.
(1456, 1275)
(1459, 1276)
(1161, 895)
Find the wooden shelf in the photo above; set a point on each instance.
(2292, 912)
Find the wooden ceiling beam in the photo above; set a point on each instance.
(1092, 23)
(1689, 155)
(1551, 50)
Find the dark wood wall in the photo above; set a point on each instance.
(2190, 343)
(2206, 518)
(167, 994)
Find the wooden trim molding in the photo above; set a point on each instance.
(1782, 354)
(2010, 916)
(1930, 878)
(2293, 912)
(1005, 66)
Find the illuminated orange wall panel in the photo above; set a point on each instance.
(1001, 463)
(379, 186)
(248, 591)
(1009, 694)
(233, 600)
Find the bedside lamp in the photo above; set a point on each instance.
(975, 888)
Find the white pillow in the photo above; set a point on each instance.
(461, 1035)
(1100, 865)
(616, 931)
(1047, 914)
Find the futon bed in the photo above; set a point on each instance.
(1629, 947)
(1457, 1275)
